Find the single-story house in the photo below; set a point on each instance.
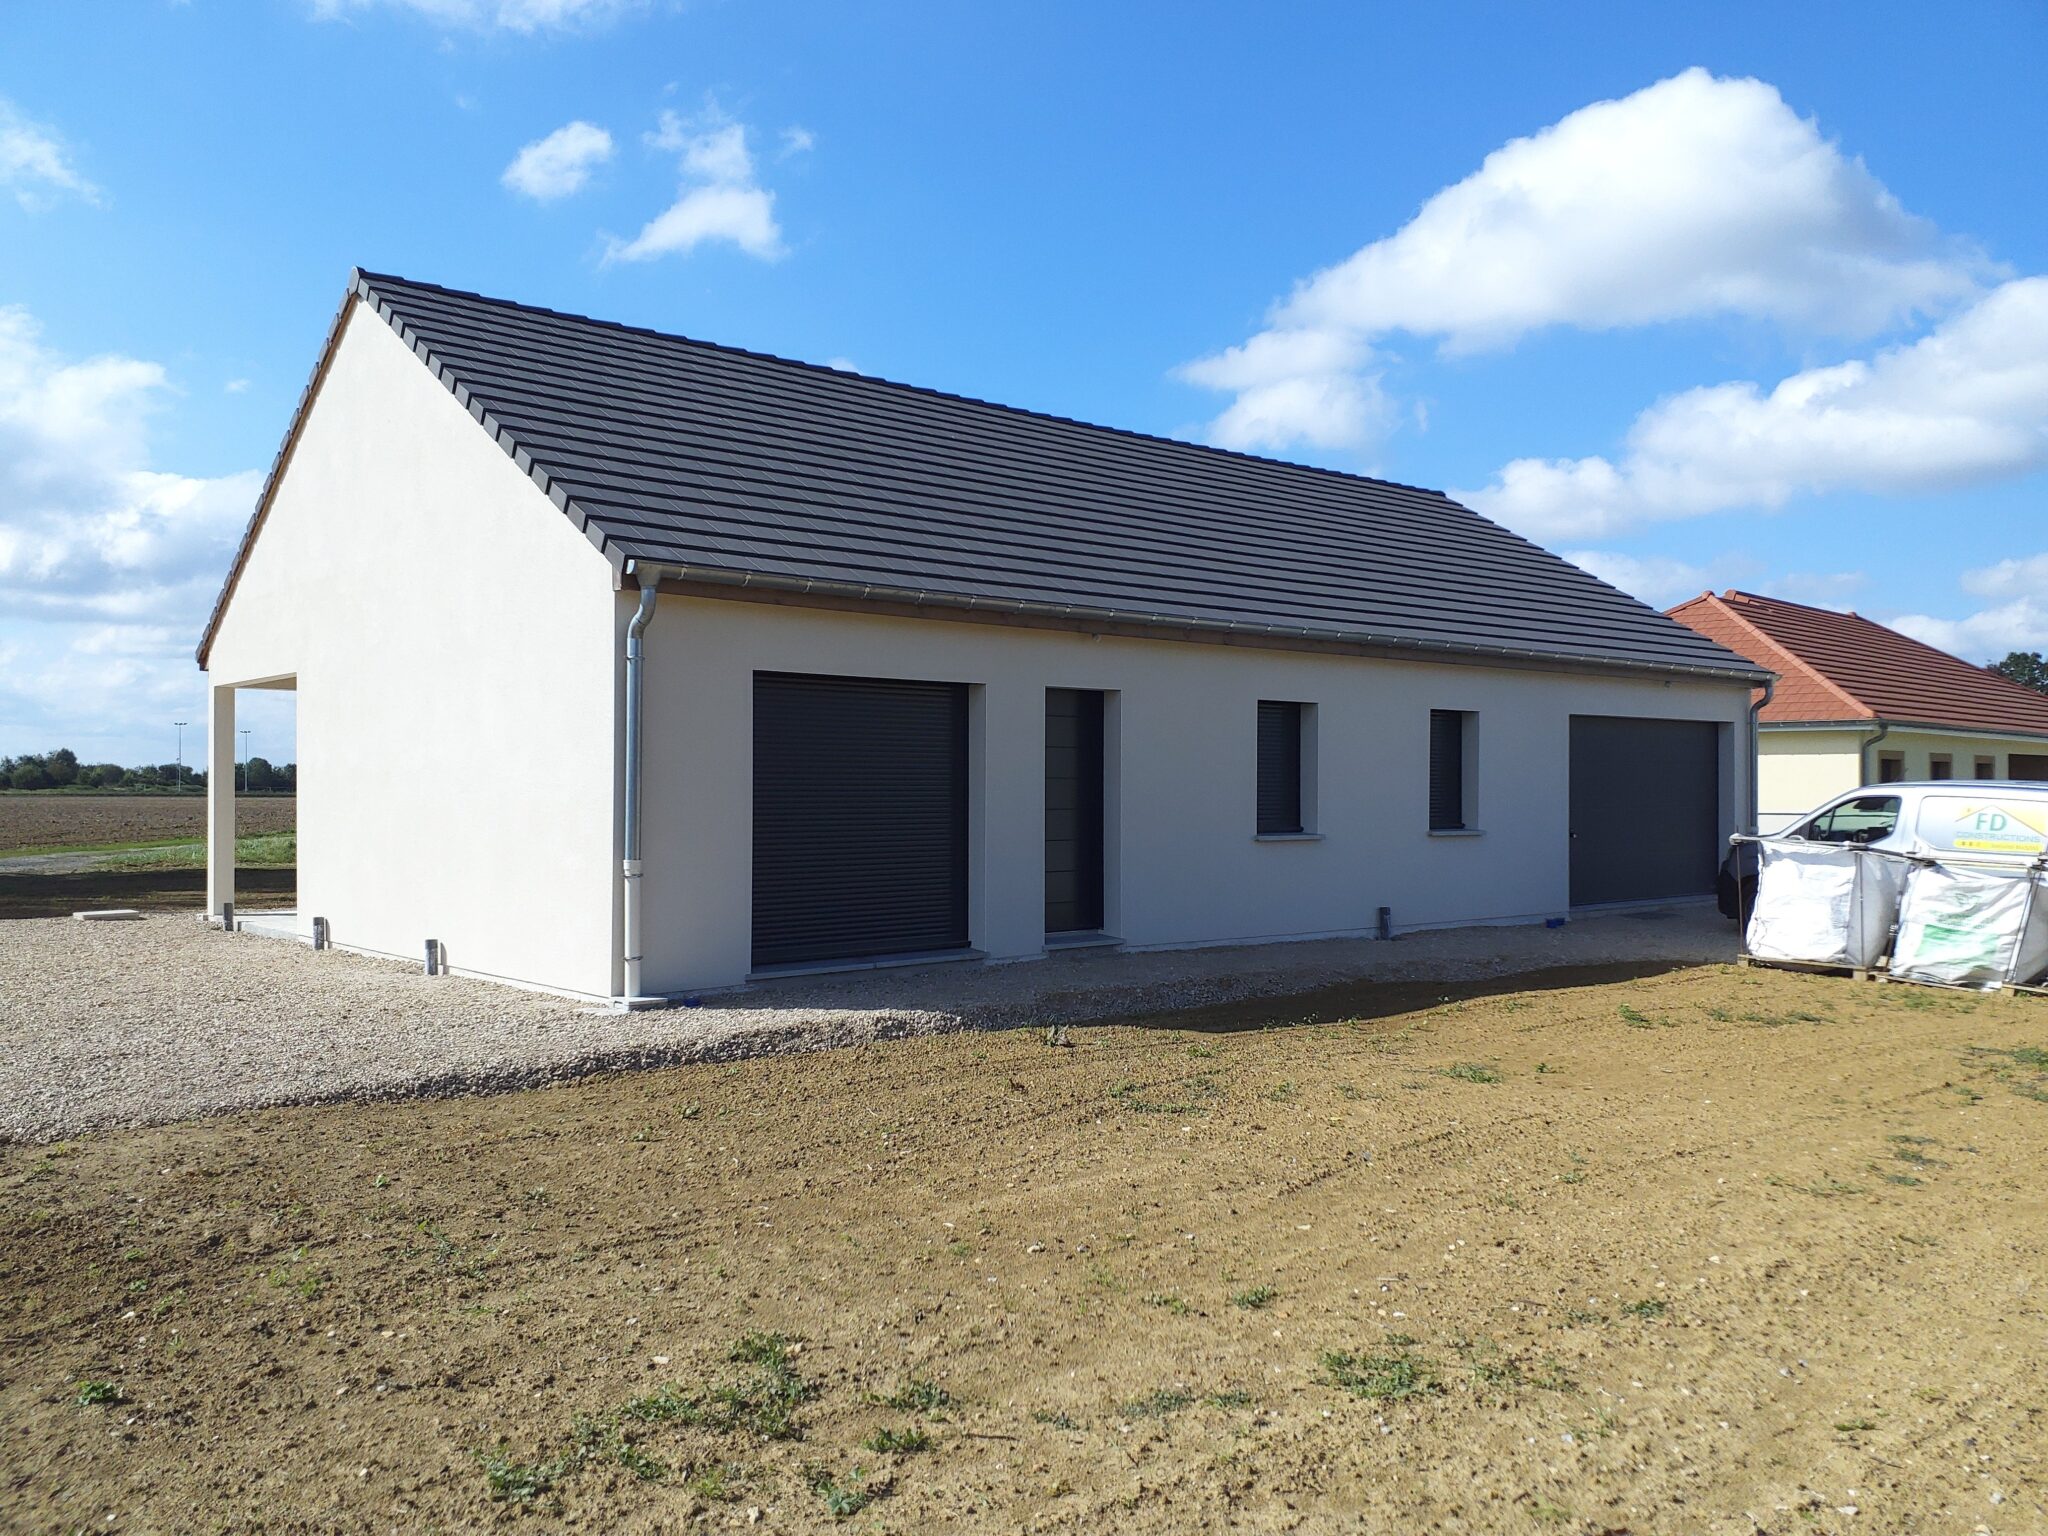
(1856, 703)
(631, 666)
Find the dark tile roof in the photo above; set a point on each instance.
(1842, 667)
(751, 469)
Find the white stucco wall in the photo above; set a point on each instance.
(1185, 867)
(454, 642)
(1799, 769)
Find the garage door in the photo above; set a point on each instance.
(2026, 765)
(1645, 808)
(860, 817)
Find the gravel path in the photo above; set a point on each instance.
(165, 1019)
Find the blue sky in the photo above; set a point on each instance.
(1715, 295)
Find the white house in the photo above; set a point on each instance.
(631, 666)
(1856, 703)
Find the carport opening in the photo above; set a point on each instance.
(252, 800)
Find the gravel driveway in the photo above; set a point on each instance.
(108, 1024)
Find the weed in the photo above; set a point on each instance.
(1544, 1069)
(1647, 1309)
(1100, 1275)
(960, 1250)
(1583, 1318)
(766, 1405)
(1256, 1298)
(649, 1469)
(917, 1395)
(842, 1500)
(1854, 1426)
(1202, 1052)
(1054, 1420)
(899, 1441)
(1156, 1405)
(1380, 1377)
(1575, 1176)
(1283, 1093)
(1635, 1019)
(520, 1482)
(1349, 1091)
(97, 1394)
(1472, 1072)
(715, 1484)
(667, 1405)
(1169, 1301)
(1552, 1377)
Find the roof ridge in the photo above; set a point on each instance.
(1795, 662)
(359, 274)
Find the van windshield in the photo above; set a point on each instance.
(1985, 824)
(1866, 819)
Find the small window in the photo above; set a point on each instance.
(1891, 767)
(1450, 776)
(1279, 768)
(1866, 819)
(1941, 766)
(1987, 767)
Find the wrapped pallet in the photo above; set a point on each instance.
(1824, 903)
(1972, 925)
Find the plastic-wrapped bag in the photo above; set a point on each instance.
(1824, 903)
(1971, 925)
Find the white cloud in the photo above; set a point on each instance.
(842, 365)
(1986, 636)
(559, 164)
(2009, 578)
(235, 387)
(797, 140)
(34, 163)
(108, 564)
(525, 16)
(1694, 197)
(719, 199)
(1966, 403)
(1657, 580)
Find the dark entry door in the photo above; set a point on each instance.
(1073, 810)
(1645, 808)
(860, 817)
(2026, 765)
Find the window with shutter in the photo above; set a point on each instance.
(1279, 767)
(1446, 770)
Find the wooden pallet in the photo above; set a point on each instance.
(1813, 967)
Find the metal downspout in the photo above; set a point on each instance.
(1884, 729)
(1756, 712)
(630, 868)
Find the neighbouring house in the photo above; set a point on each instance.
(1856, 703)
(630, 666)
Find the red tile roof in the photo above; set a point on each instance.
(1843, 667)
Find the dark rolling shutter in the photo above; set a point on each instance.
(1073, 810)
(860, 817)
(1446, 770)
(1279, 767)
(1645, 808)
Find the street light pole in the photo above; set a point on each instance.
(181, 755)
(245, 761)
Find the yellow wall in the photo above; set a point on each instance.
(1798, 769)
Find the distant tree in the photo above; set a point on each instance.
(261, 775)
(62, 766)
(103, 775)
(2027, 668)
(29, 772)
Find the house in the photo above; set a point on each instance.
(1856, 703)
(630, 666)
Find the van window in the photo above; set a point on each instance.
(1866, 819)
(1984, 823)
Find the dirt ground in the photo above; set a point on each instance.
(29, 822)
(1715, 1250)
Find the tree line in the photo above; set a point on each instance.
(61, 769)
(2027, 668)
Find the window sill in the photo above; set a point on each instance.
(1457, 832)
(1287, 837)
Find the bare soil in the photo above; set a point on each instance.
(1715, 1250)
(29, 822)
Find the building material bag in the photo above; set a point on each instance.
(1823, 903)
(1971, 925)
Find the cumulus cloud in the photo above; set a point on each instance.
(108, 563)
(509, 15)
(719, 198)
(1985, 636)
(560, 163)
(796, 139)
(1658, 580)
(1696, 196)
(1966, 403)
(34, 164)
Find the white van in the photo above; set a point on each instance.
(1982, 820)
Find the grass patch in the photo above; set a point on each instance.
(900, 1442)
(1388, 1377)
(268, 850)
(1647, 1309)
(521, 1482)
(1472, 1072)
(1156, 1405)
(98, 1394)
(916, 1395)
(1256, 1298)
(842, 1500)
